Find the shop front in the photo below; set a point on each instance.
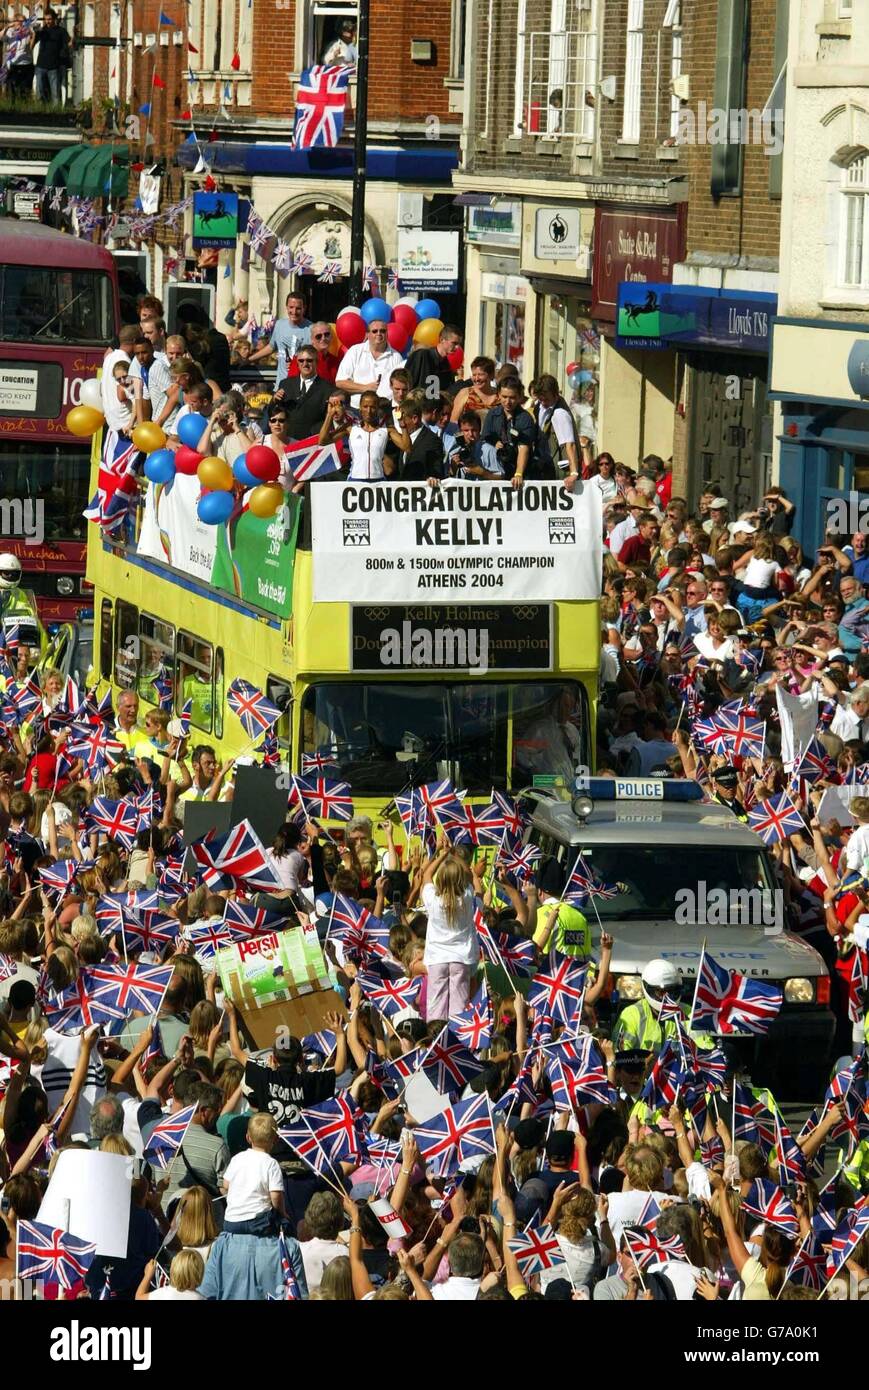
(556, 259)
(819, 372)
(498, 294)
(637, 247)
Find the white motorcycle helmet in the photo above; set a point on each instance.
(661, 977)
(10, 571)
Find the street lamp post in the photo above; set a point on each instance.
(360, 142)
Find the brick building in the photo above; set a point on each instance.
(235, 70)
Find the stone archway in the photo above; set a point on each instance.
(318, 225)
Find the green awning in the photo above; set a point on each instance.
(75, 170)
(107, 174)
(55, 176)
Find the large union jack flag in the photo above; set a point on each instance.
(167, 1136)
(580, 1079)
(768, 1203)
(251, 921)
(853, 1228)
(647, 1247)
(536, 1249)
(309, 459)
(95, 746)
(321, 98)
(118, 820)
(77, 1007)
(808, 1266)
(461, 1132)
(238, 856)
(735, 735)
(557, 991)
(45, 1252)
(775, 819)
(256, 712)
(753, 1120)
(515, 953)
(451, 1064)
(442, 802)
(515, 821)
(324, 798)
(727, 1002)
(391, 997)
(127, 987)
(475, 1024)
(474, 827)
(327, 1134)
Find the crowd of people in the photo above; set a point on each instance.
(37, 57)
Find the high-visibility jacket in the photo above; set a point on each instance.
(639, 1026)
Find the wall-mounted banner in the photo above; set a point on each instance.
(451, 637)
(463, 542)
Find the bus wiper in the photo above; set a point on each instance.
(61, 310)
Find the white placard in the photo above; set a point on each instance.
(460, 543)
(89, 1197)
(835, 803)
(18, 388)
(428, 261)
(422, 1099)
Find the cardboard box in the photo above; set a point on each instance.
(278, 980)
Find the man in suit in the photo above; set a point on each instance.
(424, 460)
(306, 396)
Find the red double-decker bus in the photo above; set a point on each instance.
(59, 311)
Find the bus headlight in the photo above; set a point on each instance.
(65, 586)
(798, 990)
(629, 986)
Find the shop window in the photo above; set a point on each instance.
(632, 109)
(457, 40)
(729, 93)
(106, 639)
(195, 680)
(855, 223)
(156, 652)
(126, 645)
(673, 22)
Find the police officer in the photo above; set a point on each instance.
(725, 781)
(558, 926)
(640, 1025)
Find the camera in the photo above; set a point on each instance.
(507, 456)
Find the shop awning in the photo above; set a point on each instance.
(91, 171)
(55, 175)
(390, 165)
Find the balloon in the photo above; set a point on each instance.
(411, 299)
(84, 421)
(91, 394)
(350, 327)
(262, 462)
(215, 507)
(376, 309)
(149, 437)
(334, 343)
(407, 316)
(428, 332)
(586, 376)
(160, 466)
(572, 367)
(398, 337)
(243, 473)
(428, 309)
(265, 500)
(216, 474)
(190, 429)
(456, 358)
(574, 380)
(187, 460)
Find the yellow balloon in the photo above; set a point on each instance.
(265, 499)
(216, 474)
(148, 437)
(428, 332)
(84, 421)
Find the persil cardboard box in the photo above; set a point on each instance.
(278, 980)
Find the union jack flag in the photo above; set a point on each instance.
(127, 987)
(475, 1024)
(167, 1136)
(95, 746)
(57, 878)
(518, 859)
(584, 883)
(452, 1064)
(118, 820)
(536, 1249)
(768, 1203)
(514, 820)
(736, 735)
(727, 1002)
(238, 856)
(369, 279)
(712, 1151)
(116, 484)
(442, 801)
(282, 257)
(856, 976)
(776, 819)
(558, 990)
(270, 749)
(815, 763)
(521, 1090)
(46, 1252)
(184, 718)
(854, 1226)
(517, 952)
(858, 776)
(472, 827)
(164, 688)
(647, 1247)
(461, 1132)
(808, 1266)
(250, 920)
(292, 1292)
(411, 809)
(76, 1008)
(327, 1134)
(789, 1155)
(667, 1077)
(323, 1042)
(207, 938)
(256, 712)
(309, 459)
(390, 997)
(321, 797)
(330, 273)
(321, 98)
(392, 280)
(302, 263)
(319, 761)
(581, 1080)
(753, 1122)
(25, 697)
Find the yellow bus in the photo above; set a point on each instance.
(489, 679)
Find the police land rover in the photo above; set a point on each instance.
(685, 870)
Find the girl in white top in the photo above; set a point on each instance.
(367, 440)
(186, 1273)
(761, 569)
(452, 948)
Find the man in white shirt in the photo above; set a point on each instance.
(556, 425)
(629, 527)
(152, 368)
(368, 365)
(466, 1270)
(851, 721)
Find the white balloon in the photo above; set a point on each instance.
(411, 299)
(91, 394)
(349, 309)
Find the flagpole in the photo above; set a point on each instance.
(697, 984)
(360, 143)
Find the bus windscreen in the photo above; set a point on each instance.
(56, 475)
(51, 305)
(385, 736)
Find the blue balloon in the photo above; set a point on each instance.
(215, 507)
(375, 309)
(243, 474)
(428, 309)
(574, 380)
(585, 377)
(190, 429)
(160, 466)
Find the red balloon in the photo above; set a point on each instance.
(351, 329)
(263, 462)
(456, 358)
(398, 337)
(406, 315)
(187, 460)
